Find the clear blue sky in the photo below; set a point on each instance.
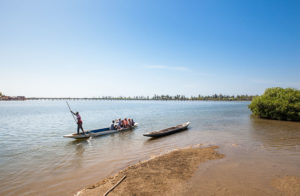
(98, 48)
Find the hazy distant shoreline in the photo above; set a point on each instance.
(155, 97)
(136, 99)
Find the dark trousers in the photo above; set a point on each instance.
(79, 127)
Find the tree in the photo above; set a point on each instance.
(277, 103)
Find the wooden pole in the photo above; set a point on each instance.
(71, 112)
(112, 188)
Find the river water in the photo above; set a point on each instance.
(36, 160)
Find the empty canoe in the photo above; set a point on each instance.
(168, 131)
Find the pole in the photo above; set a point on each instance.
(105, 194)
(71, 112)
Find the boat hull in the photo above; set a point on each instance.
(97, 132)
(168, 131)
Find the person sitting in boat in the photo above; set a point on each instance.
(123, 123)
(132, 122)
(112, 126)
(120, 124)
(116, 124)
(129, 123)
(126, 123)
(79, 122)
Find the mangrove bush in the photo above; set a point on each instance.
(277, 103)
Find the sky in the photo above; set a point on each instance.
(146, 47)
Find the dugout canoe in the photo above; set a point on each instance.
(168, 131)
(97, 132)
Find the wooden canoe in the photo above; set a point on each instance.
(168, 131)
(97, 132)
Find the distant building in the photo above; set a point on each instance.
(4, 98)
(15, 98)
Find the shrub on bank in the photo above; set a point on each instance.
(277, 103)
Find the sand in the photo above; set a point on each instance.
(287, 185)
(162, 175)
(171, 174)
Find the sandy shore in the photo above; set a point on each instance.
(161, 175)
(171, 174)
(287, 185)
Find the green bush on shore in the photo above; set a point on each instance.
(277, 103)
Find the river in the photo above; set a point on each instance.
(35, 159)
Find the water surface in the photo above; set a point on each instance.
(35, 159)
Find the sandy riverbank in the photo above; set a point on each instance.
(287, 185)
(158, 175)
(171, 174)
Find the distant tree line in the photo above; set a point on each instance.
(277, 103)
(214, 97)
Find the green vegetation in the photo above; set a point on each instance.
(277, 103)
(214, 97)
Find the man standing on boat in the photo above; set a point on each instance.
(79, 122)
